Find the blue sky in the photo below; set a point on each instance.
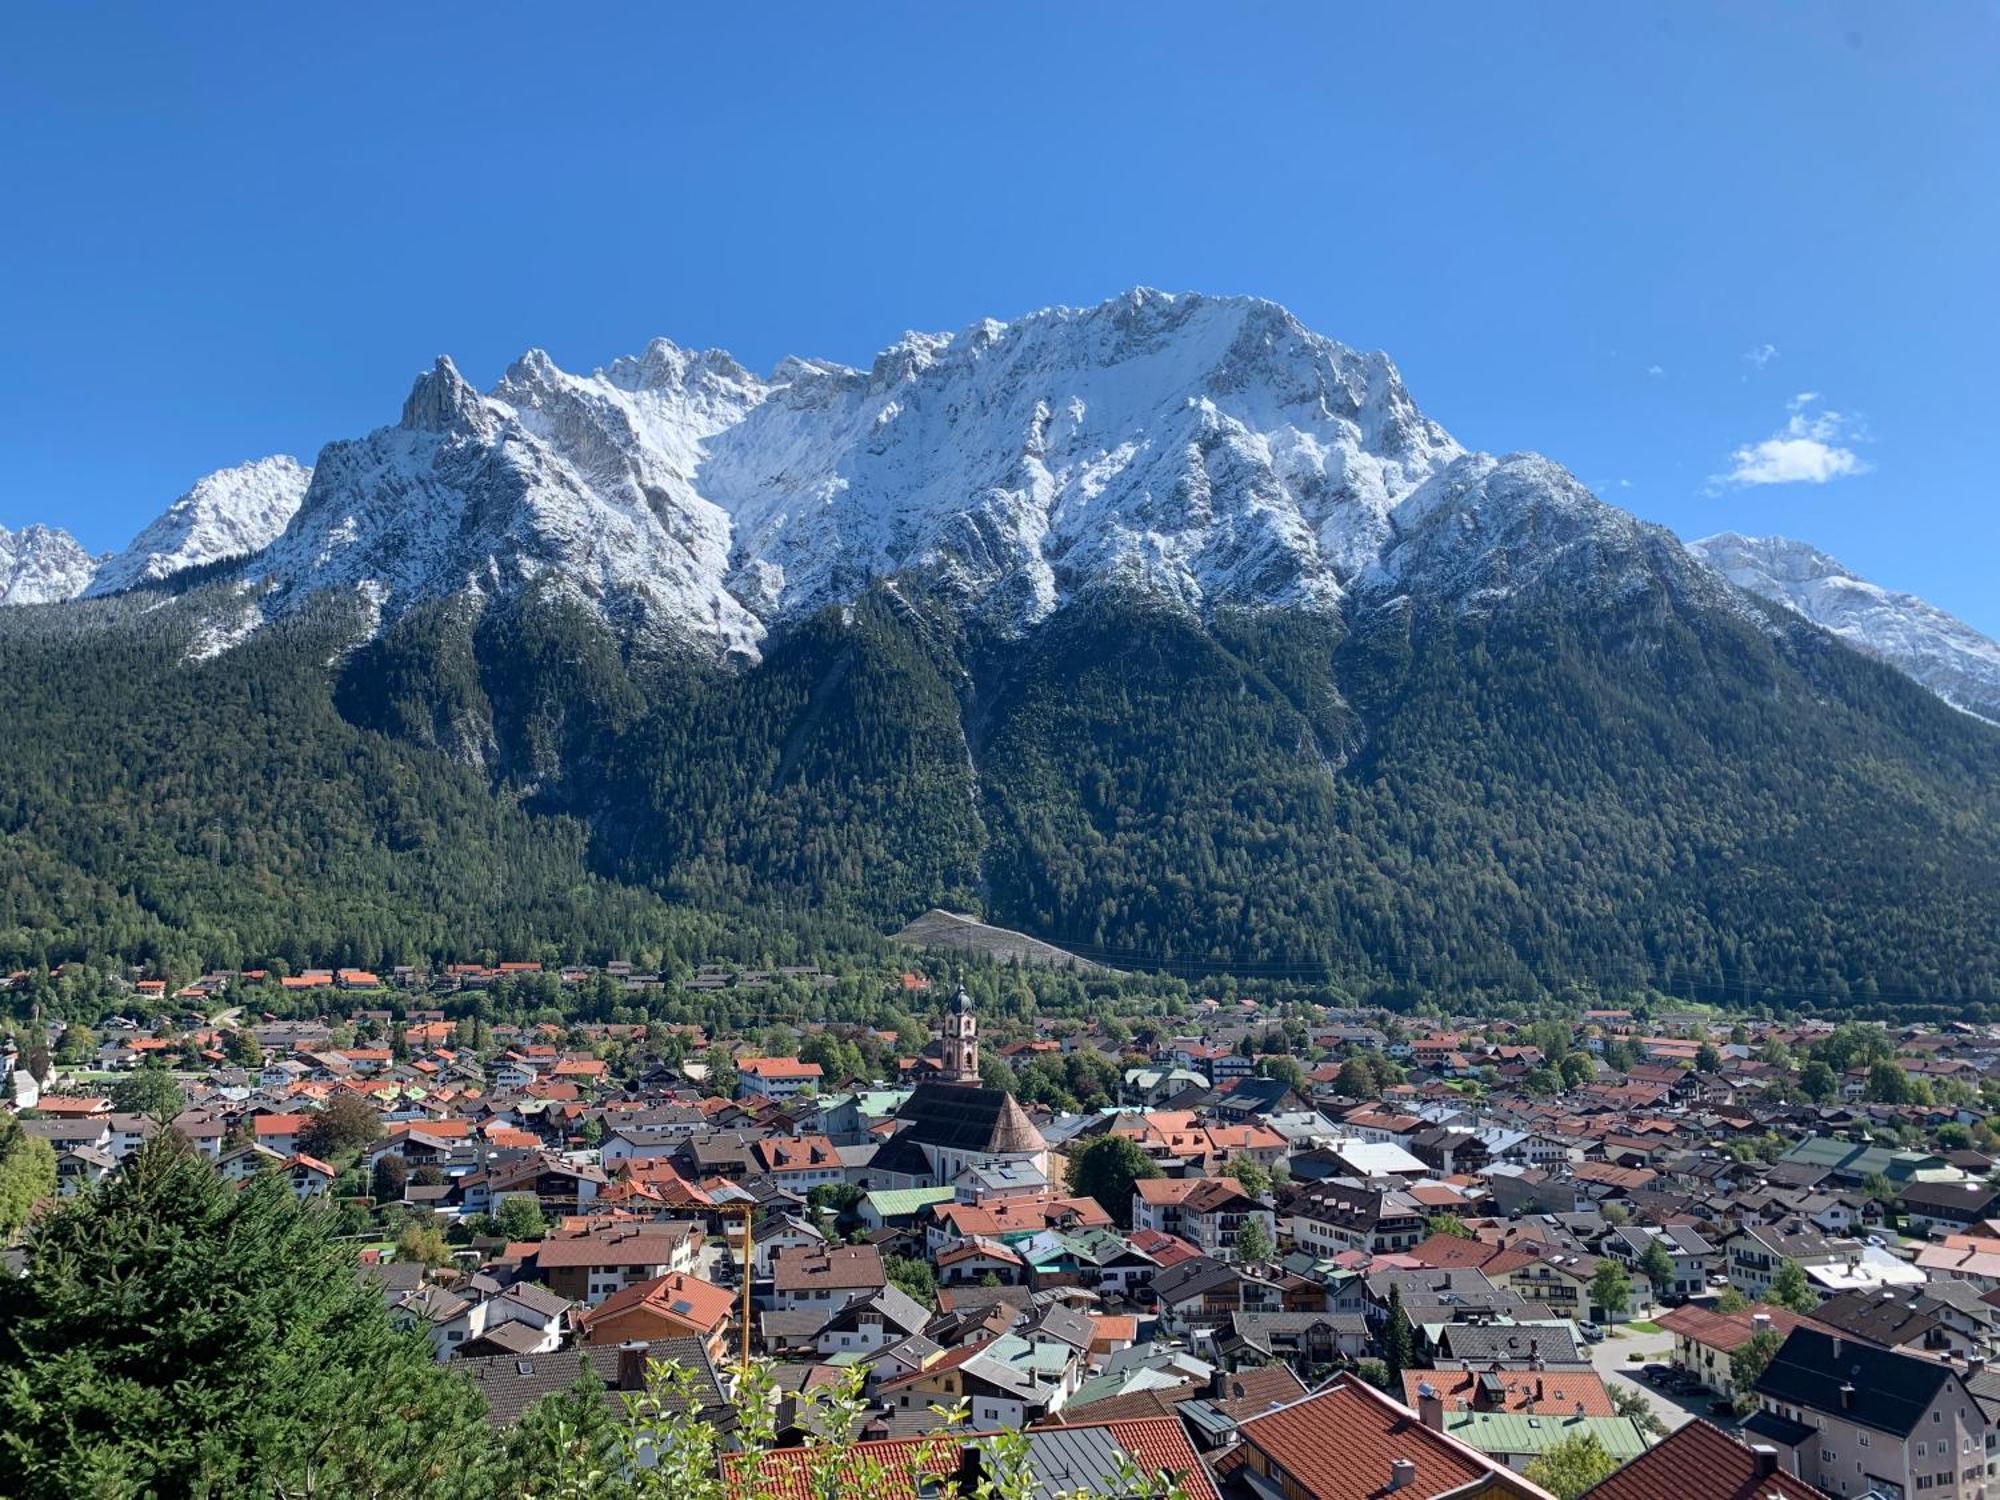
(1629, 236)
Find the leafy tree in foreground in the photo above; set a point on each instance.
(27, 1173)
(1749, 1362)
(151, 1091)
(1106, 1169)
(177, 1335)
(347, 1125)
(1791, 1289)
(1611, 1290)
(1658, 1267)
(1253, 1245)
(520, 1218)
(1572, 1466)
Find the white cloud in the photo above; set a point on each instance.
(1655, 370)
(1761, 354)
(1809, 449)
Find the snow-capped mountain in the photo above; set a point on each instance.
(1939, 650)
(230, 513)
(1203, 449)
(42, 565)
(1199, 449)
(462, 495)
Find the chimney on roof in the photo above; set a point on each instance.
(1759, 1322)
(1835, 1342)
(1767, 1459)
(632, 1365)
(1402, 1473)
(1847, 1395)
(1430, 1406)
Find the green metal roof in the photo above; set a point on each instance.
(1511, 1432)
(898, 1203)
(1865, 1161)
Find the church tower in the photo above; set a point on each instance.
(958, 1051)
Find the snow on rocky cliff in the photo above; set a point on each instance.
(1202, 450)
(1199, 450)
(42, 565)
(1940, 651)
(463, 496)
(230, 513)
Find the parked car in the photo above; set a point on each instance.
(1592, 1334)
(1658, 1374)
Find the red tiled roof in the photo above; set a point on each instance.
(1728, 1332)
(1700, 1460)
(1526, 1392)
(1341, 1443)
(676, 1297)
(1155, 1443)
(777, 1067)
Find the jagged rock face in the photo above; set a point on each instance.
(461, 497)
(1487, 529)
(1199, 451)
(1203, 450)
(230, 513)
(42, 565)
(1936, 649)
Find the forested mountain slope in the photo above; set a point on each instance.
(1629, 793)
(1167, 630)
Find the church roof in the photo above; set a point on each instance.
(958, 1118)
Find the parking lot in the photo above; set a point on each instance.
(1612, 1359)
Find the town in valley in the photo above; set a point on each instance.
(1267, 1244)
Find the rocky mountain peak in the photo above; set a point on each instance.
(442, 402)
(1942, 652)
(42, 565)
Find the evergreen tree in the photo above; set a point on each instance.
(1106, 1169)
(178, 1335)
(570, 1444)
(1397, 1345)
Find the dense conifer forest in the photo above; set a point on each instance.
(1620, 794)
